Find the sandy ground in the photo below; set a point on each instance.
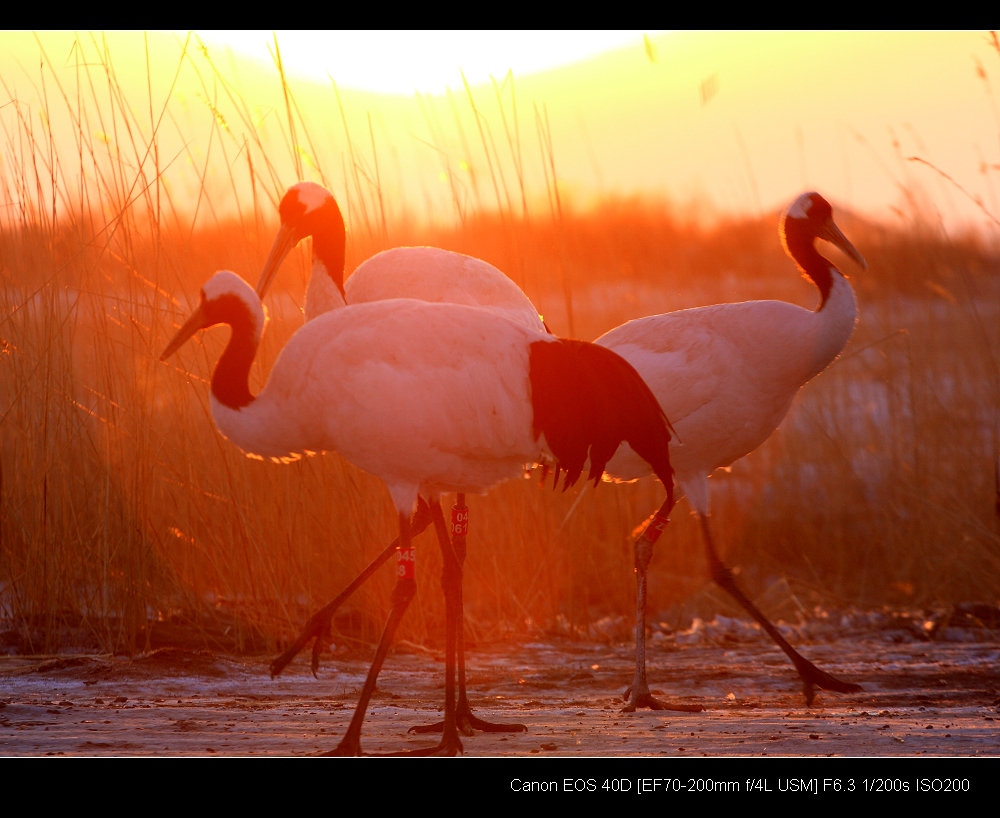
(932, 698)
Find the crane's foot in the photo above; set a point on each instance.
(353, 749)
(447, 747)
(350, 746)
(318, 629)
(813, 677)
(647, 700)
(468, 724)
(346, 749)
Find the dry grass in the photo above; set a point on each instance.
(123, 511)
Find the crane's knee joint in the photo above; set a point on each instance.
(643, 553)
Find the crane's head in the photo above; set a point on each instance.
(225, 299)
(810, 217)
(307, 209)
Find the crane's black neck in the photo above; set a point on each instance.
(230, 380)
(800, 244)
(329, 244)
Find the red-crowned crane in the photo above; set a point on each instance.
(726, 375)
(425, 273)
(431, 398)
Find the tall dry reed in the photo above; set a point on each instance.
(125, 515)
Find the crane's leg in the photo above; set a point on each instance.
(318, 626)
(451, 583)
(812, 676)
(638, 694)
(468, 723)
(402, 594)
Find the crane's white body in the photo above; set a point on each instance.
(448, 409)
(427, 274)
(726, 376)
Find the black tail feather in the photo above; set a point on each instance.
(587, 401)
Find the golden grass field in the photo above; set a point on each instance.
(124, 514)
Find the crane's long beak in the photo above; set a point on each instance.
(284, 241)
(197, 321)
(833, 235)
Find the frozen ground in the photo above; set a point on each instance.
(921, 697)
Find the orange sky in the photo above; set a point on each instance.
(734, 120)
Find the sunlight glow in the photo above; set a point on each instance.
(434, 60)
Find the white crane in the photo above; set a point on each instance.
(431, 398)
(425, 273)
(726, 375)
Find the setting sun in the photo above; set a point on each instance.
(414, 61)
